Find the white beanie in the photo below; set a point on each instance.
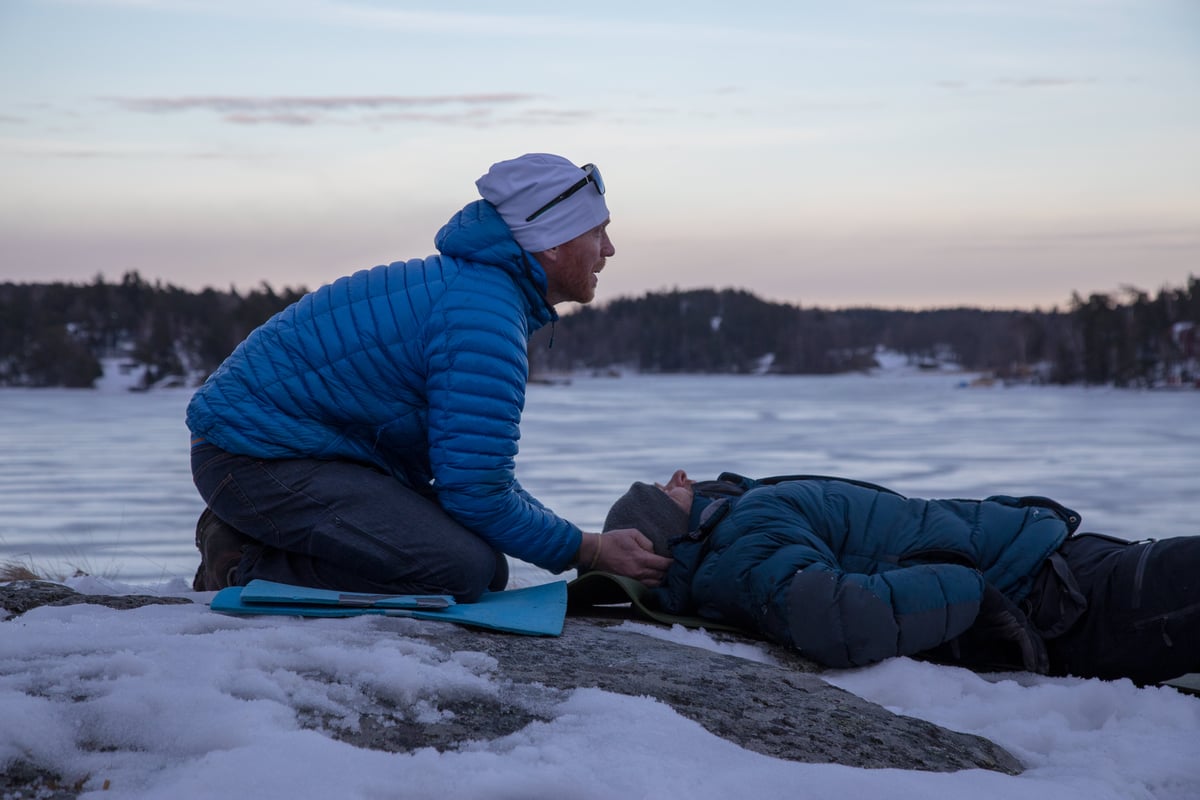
(520, 186)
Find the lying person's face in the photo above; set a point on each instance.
(679, 489)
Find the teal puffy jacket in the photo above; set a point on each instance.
(417, 368)
(851, 574)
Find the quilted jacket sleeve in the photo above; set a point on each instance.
(476, 352)
(845, 619)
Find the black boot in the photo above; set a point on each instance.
(220, 547)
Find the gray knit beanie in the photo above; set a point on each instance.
(520, 186)
(651, 511)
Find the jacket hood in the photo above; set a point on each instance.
(477, 233)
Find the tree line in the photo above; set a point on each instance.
(1130, 339)
(56, 335)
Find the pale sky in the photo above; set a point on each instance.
(906, 153)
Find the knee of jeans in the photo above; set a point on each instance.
(482, 575)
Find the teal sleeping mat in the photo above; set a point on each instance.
(533, 610)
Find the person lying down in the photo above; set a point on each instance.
(850, 573)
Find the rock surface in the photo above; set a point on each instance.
(782, 710)
(19, 596)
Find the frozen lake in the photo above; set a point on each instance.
(99, 480)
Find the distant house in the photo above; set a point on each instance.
(1186, 338)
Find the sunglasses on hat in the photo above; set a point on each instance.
(590, 175)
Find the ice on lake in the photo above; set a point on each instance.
(99, 480)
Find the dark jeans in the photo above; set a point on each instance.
(341, 525)
(1143, 613)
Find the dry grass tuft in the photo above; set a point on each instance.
(16, 571)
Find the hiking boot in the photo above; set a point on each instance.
(220, 547)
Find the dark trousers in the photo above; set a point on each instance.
(1143, 609)
(341, 525)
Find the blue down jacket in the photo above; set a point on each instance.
(851, 574)
(417, 368)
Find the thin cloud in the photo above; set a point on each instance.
(484, 117)
(473, 117)
(555, 115)
(299, 120)
(1044, 82)
(474, 110)
(1033, 82)
(225, 104)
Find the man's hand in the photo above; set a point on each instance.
(624, 551)
(1001, 638)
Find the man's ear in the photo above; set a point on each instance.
(547, 258)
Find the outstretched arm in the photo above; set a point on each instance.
(845, 619)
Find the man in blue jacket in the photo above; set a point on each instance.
(851, 573)
(364, 438)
